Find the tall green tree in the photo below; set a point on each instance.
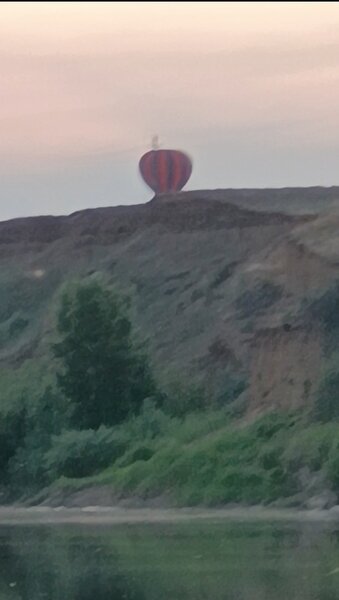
(103, 374)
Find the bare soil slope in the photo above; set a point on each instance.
(223, 286)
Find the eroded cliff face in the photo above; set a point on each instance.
(220, 292)
(285, 367)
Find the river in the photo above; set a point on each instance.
(206, 559)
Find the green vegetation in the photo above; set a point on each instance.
(102, 381)
(258, 299)
(325, 308)
(103, 376)
(327, 401)
(208, 459)
(324, 311)
(82, 453)
(104, 421)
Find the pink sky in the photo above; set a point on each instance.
(250, 90)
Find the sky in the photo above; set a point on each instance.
(250, 90)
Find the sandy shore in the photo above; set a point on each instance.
(97, 515)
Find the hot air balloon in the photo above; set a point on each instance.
(165, 170)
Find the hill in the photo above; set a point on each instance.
(221, 292)
(233, 291)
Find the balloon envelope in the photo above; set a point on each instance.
(165, 170)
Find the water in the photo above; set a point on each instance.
(200, 561)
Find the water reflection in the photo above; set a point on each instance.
(170, 562)
(40, 564)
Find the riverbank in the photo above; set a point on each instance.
(98, 515)
(206, 461)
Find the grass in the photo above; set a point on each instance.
(26, 381)
(206, 459)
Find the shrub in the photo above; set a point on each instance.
(258, 299)
(149, 424)
(12, 434)
(326, 407)
(36, 422)
(332, 466)
(181, 398)
(26, 469)
(325, 308)
(232, 388)
(274, 422)
(310, 447)
(82, 453)
(139, 452)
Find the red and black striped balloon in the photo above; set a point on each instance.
(165, 170)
